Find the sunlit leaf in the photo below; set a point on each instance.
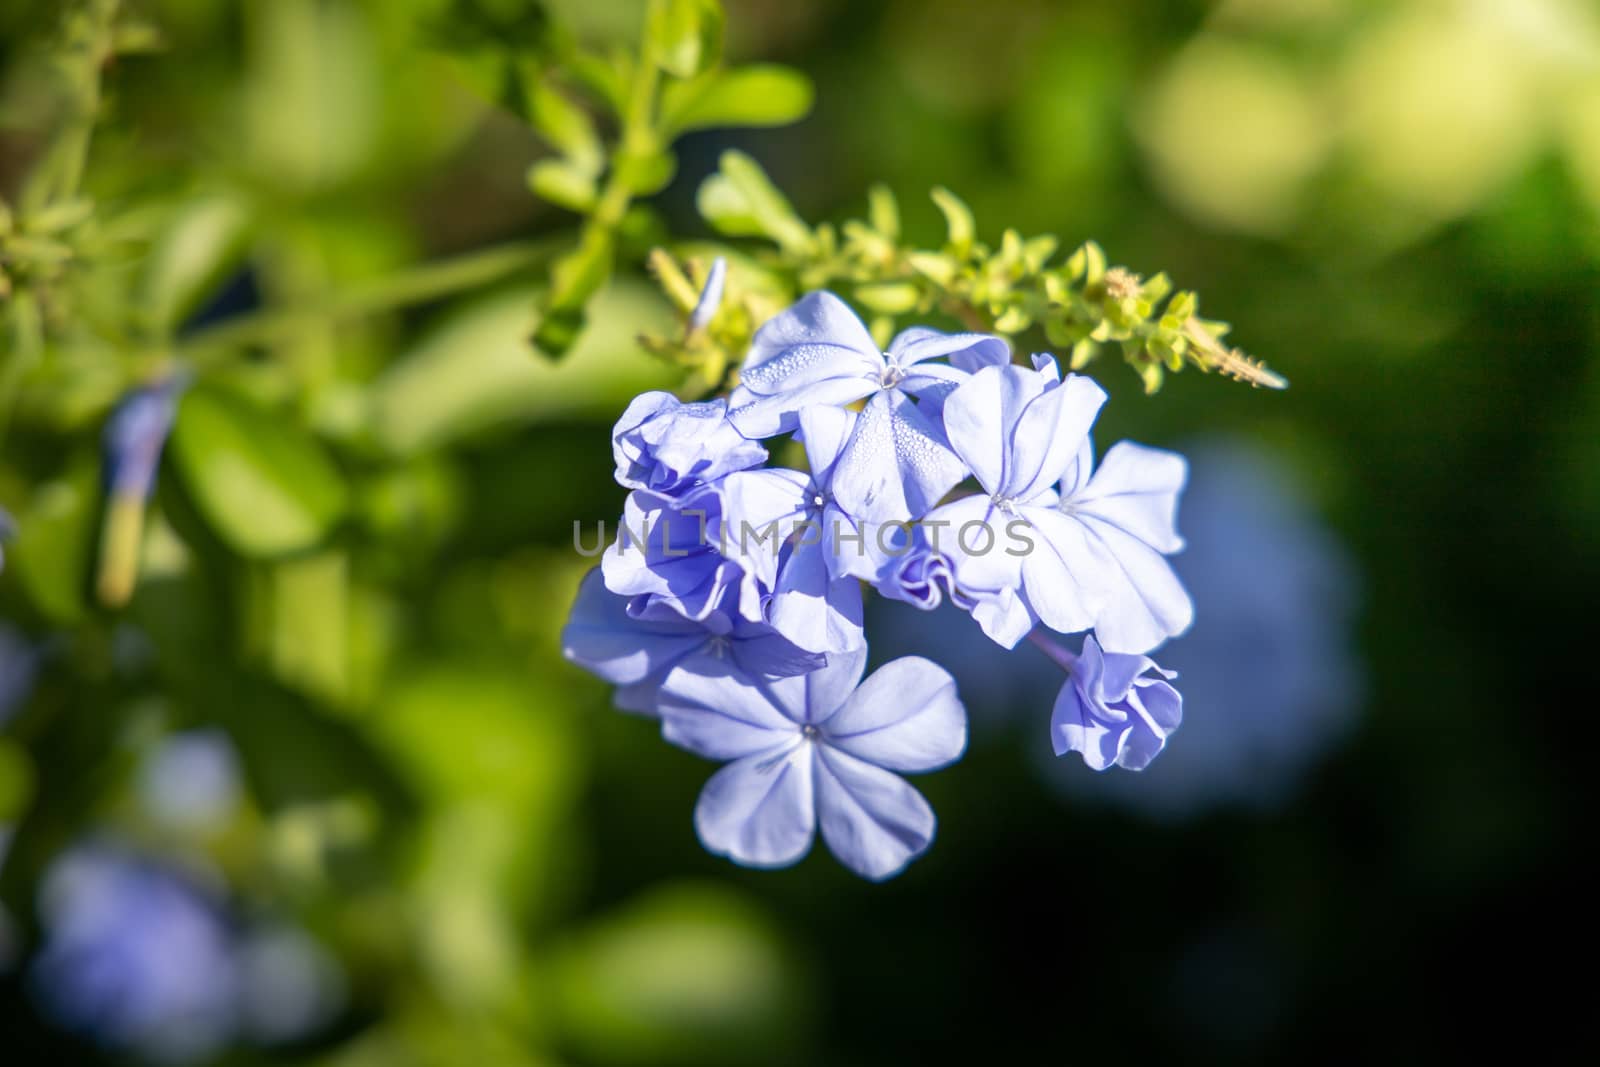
(265, 486)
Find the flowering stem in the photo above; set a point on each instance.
(1059, 656)
(431, 281)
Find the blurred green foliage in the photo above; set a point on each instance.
(346, 219)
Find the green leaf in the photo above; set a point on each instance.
(682, 974)
(566, 127)
(265, 486)
(889, 298)
(472, 373)
(648, 172)
(883, 211)
(747, 202)
(757, 95)
(562, 184)
(958, 218)
(205, 242)
(686, 34)
(53, 548)
(723, 206)
(604, 76)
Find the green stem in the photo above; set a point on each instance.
(419, 285)
(88, 45)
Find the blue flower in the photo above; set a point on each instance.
(823, 748)
(1087, 556)
(135, 956)
(20, 659)
(705, 309)
(1115, 709)
(633, 644)
(666, 446)
(666, 551)
(786, 528)
(1269, 686)
(135, 435)
(8, 530)
(818, 354)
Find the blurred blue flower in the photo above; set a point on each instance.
(19, 668)
(8, 530)
(1269, 676)
(822, 749)
(190, 781)
(134, 956)
(135, 435)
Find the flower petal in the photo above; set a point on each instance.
(815, 353)
(967, 351)
(602, 637)
(897, 464)
(1136, 488)
(1049, 434)
(721, 714)
(818, 612)
(825, 431)
(759, 510)
(1142, 601)
(1061, 574)
(980, 416)
(760, 811)
(873, 820)
(905, 717)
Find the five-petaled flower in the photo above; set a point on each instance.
(1093, 546)
(897, 463)
(822, 749)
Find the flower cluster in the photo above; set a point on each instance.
(730, 604)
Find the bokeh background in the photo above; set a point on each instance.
(348, 806)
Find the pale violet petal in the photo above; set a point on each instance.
(760, 810)
(1135, 488)
(721, 714)
(873, 820)
(905, 717)
(896, 465)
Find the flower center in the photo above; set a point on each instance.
(1005, 504)
(719, 645)
(810, 732)
(891, 376)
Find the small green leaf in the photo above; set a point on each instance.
(648, 172)
(54, 544)
(722, 205)
(687, 35)
(606, 77)
(883, 211)
(759, 95)
(566, 127)
(958, 218)
(562, 184)
(263, 484)
(205, 242)
(889, 298)
(751, 195)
